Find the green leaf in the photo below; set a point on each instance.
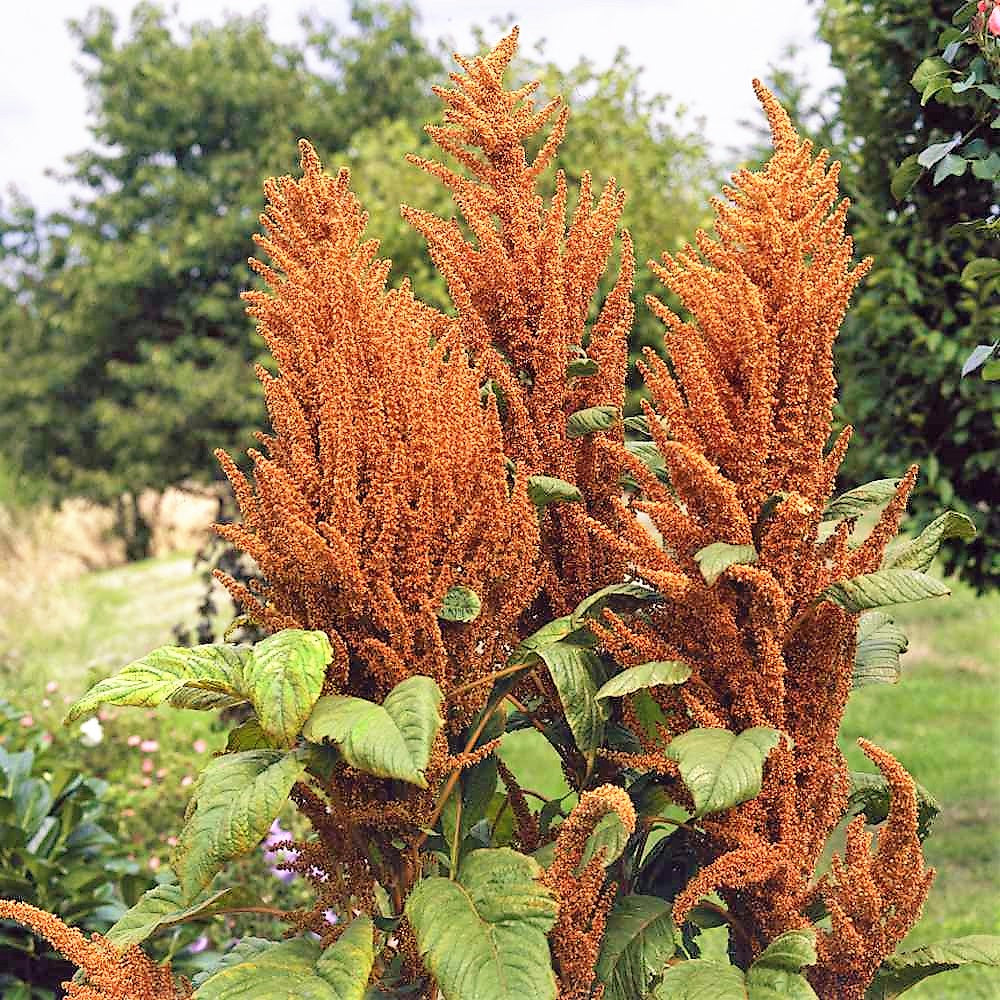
(460, 604)
(936, 152)
(649, 455)
(592, 420)
(979, 356)
(609, 835)
(905, 969)
(919, 553)
(884, 587)
(392, 740)
(880, 644)
(544, 490)
(207, 677)
(164, 906)
(777, 975)
(981, 267)
(581, 368)
(347, 964)
(243, 949)
(645, 675)
(927, 70)
(907, 174)
(987, 169)
(855, 502)
(934, 86)
(991, 371)
(573, 670)
(284, 971)
(701, 979)
(952, 165)
(713, 560)
(283, 679)
(871, 795)
(248, 736)
(638, 941)
(617, 597)
(483, 937)
(720, 768)
(236, 798)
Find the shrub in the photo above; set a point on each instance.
(457, 541)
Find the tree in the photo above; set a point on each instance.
(915, 318)
(127, 358)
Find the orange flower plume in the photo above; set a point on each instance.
(742, 416)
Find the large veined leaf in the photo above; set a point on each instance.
(776, 975)
(884, 587)
(284, 678)
(283, 971)
(164, 906)
(855, 502)
(483, 937)
(592, 420)
(574, 670)
(649, 455)
(713, 560)
(645, 675)
(281, 677)
(880, 644)
(720, 768)
(581, 367)
(347, 964)
(235, 800)
(901, 971)
(638, 941)
(460, 604)
(391, 740)
(871, 795)
(544, 490)
(615, 597)
(919, 553)
(244, 949)
(609, 837)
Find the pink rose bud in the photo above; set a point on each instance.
(134, 741)
(154, 862)
(103, 715)
(147, 766)
(146, 782)
(46, 737)
(51, 687)
(200, 746)
(981, 6)
(149, 746)
(186, 780)
(27, 721)
(171, 841)
(993, 24)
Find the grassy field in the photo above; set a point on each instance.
(942, 721)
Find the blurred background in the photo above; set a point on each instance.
(134, 140)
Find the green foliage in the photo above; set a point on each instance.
(483, 935)
(544, 490)
(882, 588)
(871, 794)
(644, 675)
(855, 502)
(919, 313)
(460, 604)
(713, 560)
(722, 769)
(592, 420)
(638, 942)
(880, 644)
(906, 969)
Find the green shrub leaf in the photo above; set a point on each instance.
(777, 975)
(901, 971)
(713, 560)
(981, 267)
(347, 964)
(391, 740)
(281, 677)
(460, 604)
(284, 971)
(544, 490)
(701, 979)
(581, 368)
(638, 941)
(887, 586)
(720, 768)
(649, 455)
(645, 675)
(855, 502)
(919, 553)
(164, 906)
(592, 420)
(244, 949)
(483, 936)
(871, 795)
(236, 798)
(880, 644)
(610, 835)
(574, 670)
(906, 175)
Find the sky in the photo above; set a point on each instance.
(701, 55)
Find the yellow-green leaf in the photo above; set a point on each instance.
(919, 553)
(713, 560)
(882, 588)
(645, 675)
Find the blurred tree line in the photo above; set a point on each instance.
(126, 353)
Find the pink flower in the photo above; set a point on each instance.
(147, 766)
(154, 862)
(27, 721)
(982, 6)
(46, 703)
(133, 740)
(128, 812)
(171, 841)
(200, 746)
(198, 945)
(993, 24)
(103, 715)
(46, 738)
(149, 746)
(146, 782)
(52, 687)
(186, 780)
(162, 773)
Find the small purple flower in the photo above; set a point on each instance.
(198, 945)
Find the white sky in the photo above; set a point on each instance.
(700, 53)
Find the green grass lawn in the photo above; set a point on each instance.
(942, 721)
